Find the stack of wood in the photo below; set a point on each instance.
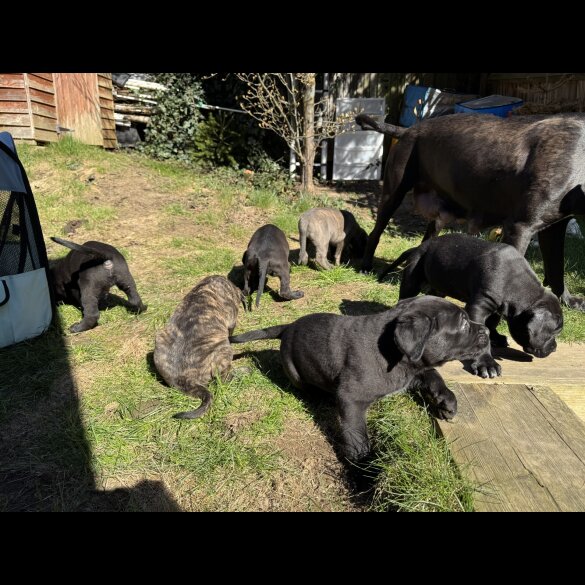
(135, 102)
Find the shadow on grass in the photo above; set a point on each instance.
(359, 481)
(45, 456)
(356, 308)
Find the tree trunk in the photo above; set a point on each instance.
(308, 162)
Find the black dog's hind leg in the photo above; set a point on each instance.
(125, 282)
(401, 167)
(439, 396)
(285, 291)
(352, 419)
(89, 305)
(552, 246)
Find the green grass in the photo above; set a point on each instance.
(416, 471)
(263, 199)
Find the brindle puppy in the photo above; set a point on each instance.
(194, 346)
(326, 227)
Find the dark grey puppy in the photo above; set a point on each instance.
(494, 280)
(85, 276)
(324, 227)
(525, 173)
(362, 358)
(194, 345)
(267, 253)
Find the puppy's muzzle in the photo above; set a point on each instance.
(542, 352)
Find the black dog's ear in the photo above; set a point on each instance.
(411, 334)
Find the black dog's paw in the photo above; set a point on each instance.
(142, 308)
(297, 294)
(78, 328)
(445, 405)
(486, 367)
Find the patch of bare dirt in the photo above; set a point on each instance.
(313, 477)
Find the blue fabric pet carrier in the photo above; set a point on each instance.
(26, 306)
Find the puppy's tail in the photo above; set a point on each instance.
(196, 391)
(404, 257)
(80, 248)
(366, 122)
(268, 333)
(262, 268)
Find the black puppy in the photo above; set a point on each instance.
(363, 358)
(85, 276)
(267, 253)
(493, 279)
(526, 173)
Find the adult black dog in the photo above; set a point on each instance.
(362, 358)
(86, 274)
(493, 279)
(525, 173)
(267, 253)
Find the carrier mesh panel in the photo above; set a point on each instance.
(18, 249)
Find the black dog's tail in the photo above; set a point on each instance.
(262, 268)
(400, 260)
(366, 122)
(81, 248)
(268, 333)
(196, 391)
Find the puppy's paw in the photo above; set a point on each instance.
(486, 367)
(297, 294)
(78, 328)
(573, 302)
(142, 308)
(445, 405)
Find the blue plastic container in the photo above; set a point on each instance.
(414, 98)
(499, 105)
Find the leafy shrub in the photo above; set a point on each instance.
(172, 128)
(215, 140)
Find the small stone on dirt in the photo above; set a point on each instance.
(71, 226)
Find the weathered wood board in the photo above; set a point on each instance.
(521, 445)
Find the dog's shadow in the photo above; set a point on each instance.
(110, 301)
(356, 308)
(360, 479)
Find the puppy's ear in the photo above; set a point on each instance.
(411, 334)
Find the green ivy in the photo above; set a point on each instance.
(172, 128)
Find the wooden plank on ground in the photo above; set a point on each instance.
(521, 445)
(563, 372)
